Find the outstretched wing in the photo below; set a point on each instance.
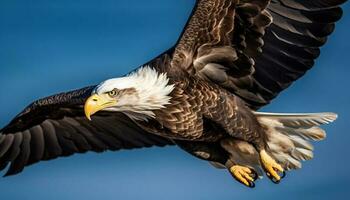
(255, 48)
(55, 126)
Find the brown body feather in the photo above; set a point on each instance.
(195, 102)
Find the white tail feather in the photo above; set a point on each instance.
(301, 143)
(288, 135)
(300, 120)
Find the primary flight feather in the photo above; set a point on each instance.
(233, 57)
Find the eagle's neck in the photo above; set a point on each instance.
(153, 93)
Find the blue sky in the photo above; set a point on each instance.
(58, 45)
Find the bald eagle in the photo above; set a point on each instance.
(203, 95)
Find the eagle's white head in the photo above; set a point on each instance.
(137, 94)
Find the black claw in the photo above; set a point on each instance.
(251, 184)
(283, 174)
(255, 175)
(272, 178)
(275, 181)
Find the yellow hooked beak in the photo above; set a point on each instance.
(96, 103)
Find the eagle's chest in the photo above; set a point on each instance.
(184, 117)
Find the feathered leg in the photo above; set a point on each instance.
(241, 123)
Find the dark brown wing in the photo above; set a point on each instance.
(255, 48)
(55, 126)
(292, 43)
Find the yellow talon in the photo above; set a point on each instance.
(270, 165)
(243, 175)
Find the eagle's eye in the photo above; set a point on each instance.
(112, 93)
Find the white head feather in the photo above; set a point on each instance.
(152, 92)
